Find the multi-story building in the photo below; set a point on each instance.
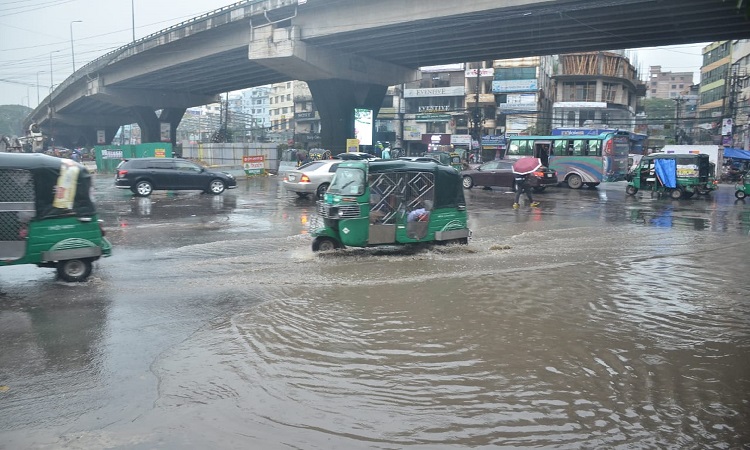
(739, 101)
(717, 59)
(523, 91)
(306, 117)
(256, 111)
(281, 111)
(668, 85)
(597, 90)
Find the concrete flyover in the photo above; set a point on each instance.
(350, 51)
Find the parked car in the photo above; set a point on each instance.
(311, 178)
(145, 175)
(500, 173)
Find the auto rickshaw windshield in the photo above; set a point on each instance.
(348, 181)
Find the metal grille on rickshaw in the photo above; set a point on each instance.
(395, 194)
(16, 203)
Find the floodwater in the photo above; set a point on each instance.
(596, 321)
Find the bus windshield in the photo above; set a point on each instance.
(348, 181)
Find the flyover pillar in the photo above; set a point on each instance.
(150, 124)
(336, 101)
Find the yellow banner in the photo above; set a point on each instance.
(352, 145)
(65, 189)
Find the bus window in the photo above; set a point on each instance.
(520, 147)
(512, 147)
(578, 146)
(595, 148)
(561, 146)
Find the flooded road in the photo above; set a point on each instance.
(596, 321)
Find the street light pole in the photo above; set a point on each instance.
(132, 15)
(72, 50)
(37, 86)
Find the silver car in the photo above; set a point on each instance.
(311, 178)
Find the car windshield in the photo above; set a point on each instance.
(348, 181)
(311, 165)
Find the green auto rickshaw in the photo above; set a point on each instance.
(742, 189)
(47, 216)
(391, 202)
(678, 175)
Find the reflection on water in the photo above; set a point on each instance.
(560, 348)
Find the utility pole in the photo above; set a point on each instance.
(678, 109)
(476, 118)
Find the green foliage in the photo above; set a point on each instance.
(11, 119)
(659, 109)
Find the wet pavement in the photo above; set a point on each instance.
(596, 321)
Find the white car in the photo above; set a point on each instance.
(311, 178)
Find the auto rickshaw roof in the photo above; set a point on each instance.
(676, 155)
(45, 171)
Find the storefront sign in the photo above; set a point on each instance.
(433, 117)
(460, 139)
(579, 105)
(444, 139)
(305, 115)
(436, 108)
(449, 91)
(499, 86)
(253, 165)
(483, 73)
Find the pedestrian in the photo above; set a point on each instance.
(386, 152)
(522, 186)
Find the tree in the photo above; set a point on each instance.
(11, 119)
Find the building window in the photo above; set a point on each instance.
(609, 92)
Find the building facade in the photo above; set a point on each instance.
(596, 90)
(739, 105)
(668, 85)
(717, 59)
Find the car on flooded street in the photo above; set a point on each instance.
(499, 173)
(145, 175)
(311, 178)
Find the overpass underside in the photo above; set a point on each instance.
(349, 52)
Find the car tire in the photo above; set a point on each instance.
(321, 191)
(575, 181)
(325, 244)
(676, 194)
(74, 270)
(631, 190)
(740, 195)
(467, 182)
(216, 186)
(143, 188)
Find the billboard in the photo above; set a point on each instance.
(363, 126)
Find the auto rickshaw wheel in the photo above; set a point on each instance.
(676, 194)
(688, 194)
(74, 270)
(740, 194)
(631, 190)
(325, 244)
(575, 181)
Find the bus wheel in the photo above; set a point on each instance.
(631, 190)
(676, 194)
(324, 244)
(74, 270)
(575, 181)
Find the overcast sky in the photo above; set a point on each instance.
(36, 34)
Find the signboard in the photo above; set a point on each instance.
(111, 154)
(160, 153)
(519, 102)
(165, 130)
(495, 141)
(472, 73)
(363, 126)
(253, 165)
(461, 139)
(101, 138)
(352, 145)
(444, 139)
(449, 91)
(579, 105)
(726, 127)
(412, 133)
(443, 68)
(514, 86)
(432, 117)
